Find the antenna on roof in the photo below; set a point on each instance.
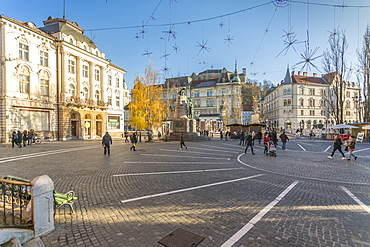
(64, 9)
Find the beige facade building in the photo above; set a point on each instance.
(215, 95)
(56, 81)
(299, 102)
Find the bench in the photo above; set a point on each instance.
(60, 199)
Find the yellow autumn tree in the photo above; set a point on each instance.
(147, 109)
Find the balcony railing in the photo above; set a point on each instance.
(15, 204)
(82, 102)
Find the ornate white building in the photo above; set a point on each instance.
(298, 102)
(56, 81)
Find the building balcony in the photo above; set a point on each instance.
(85, 103)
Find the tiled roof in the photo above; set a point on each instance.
(25, 25)
(248, 107)
(307, 79)
(203, 83)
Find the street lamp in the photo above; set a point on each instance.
(357, 100)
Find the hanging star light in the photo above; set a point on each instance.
(165, 56)
(289, 41)
(229, 39)
(147, 53)
(221, 24)
(176, 48)
(137, 37)
(308, 57)
(203, 47)
(170, 32)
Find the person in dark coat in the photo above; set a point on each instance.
(259, 137)
(19, 138)
(351, 143)
(284, 138)
(133, 142)
(14, 139)
(182, 141)
(337, 146)
(249, 141)
(274, 137)
(106, 142)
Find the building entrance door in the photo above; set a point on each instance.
(99, 131)
(74, 128)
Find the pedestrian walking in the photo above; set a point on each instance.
(221, 135)
(351, 143)
(284, 138)
(242, 138)
(126, 136)
(14, 138)
(24, 137)
(274, 137)
(30, 137)
(249, 141)
(259, 136)
(133, 142)
(266, 140)
(337, 146)
(106, 142)
(182, 141)
(19, 138)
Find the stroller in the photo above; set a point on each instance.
(271, 149)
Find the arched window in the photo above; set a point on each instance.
(285, 102)
(44, 83)
(24, 80)
(348, 104)
(71, 41)
(85, 93)
(72, 90)
(289, 102)
(301, 102)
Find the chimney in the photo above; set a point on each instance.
(293, 72)
(314, 74)
(304, 73)
(244, 71)
(299, 72)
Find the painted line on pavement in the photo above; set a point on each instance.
(360, 150)
(176, 156)
(245, 229)
(301, 147)
(220, 150)
(359, 202)
(27, 156)
(295, 176)
(195, 152)
(327, 148)
(168, 162)
(189, 189)
(176, 172)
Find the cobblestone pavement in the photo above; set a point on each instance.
(212, 189)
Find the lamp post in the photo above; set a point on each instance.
(357, 101)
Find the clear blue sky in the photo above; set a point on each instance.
(254, 35)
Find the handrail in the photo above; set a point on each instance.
(8, 181)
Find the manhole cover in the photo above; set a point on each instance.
(83, 172)
(181, 238)
(317, 160)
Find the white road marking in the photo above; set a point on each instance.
(188, 189)
(169, 162)
(327, 148)
(359, 202)
(301, 147)
(194, 152)
(27, 156)
(177, 156)
(222, 148)
(175, 172)
(235, 238)
(360, 150)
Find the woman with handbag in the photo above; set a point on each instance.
(337, 146)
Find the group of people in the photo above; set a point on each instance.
(22, 139)
(349, 144)
(107, 142)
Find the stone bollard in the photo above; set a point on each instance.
(43, 205)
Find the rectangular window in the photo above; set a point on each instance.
(348, 94)
(44, 58)
(71, 66)
(44, 87)
(209, 93)
(174, 96)
(109, 80)
(302, 112)
(24, 83)
(312, 112)
(209, 103)
(97, 75)
(348, 113)
(23, 51)
(197, 103)
(85, 71)
(109, 100)
(117, 101)
(117, 82)
(113, 122)
(196, 94)
(223, 92)
(164, 96)
(312, 91)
